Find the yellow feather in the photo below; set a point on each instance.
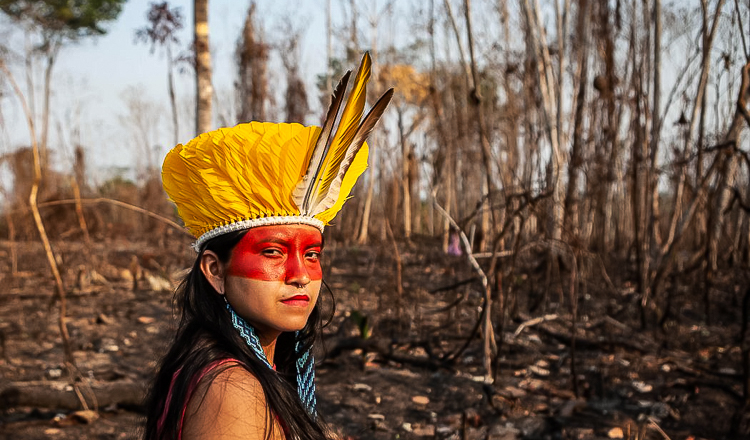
(363, 130)
(306, 189)
(358, 166)
(347, 128)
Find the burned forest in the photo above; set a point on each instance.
(551, 240)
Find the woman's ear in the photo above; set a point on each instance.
(213, 270)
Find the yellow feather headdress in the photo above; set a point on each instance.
(263, 173)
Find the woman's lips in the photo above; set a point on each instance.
(297, 301)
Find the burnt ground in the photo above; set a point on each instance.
(404, 380)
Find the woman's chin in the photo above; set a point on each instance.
(286, 327)
(293, 327)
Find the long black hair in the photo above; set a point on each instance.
(205, 335)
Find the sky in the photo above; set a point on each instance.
(95, 78)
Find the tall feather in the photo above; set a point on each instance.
(346, 129)
(304, 191)
(364, 129)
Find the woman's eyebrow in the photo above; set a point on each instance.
(287, 241)
(284, 241)
(274, 240)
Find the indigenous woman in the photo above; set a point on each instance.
(256, 197)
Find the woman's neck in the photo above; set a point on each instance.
(268, 344)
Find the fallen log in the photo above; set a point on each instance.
(61, 395)
(601, 343)
(385, 350)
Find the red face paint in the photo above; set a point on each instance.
(288, 253)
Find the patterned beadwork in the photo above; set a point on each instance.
(306, 378)
(255, 222)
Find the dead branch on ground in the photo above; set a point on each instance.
(120, 204)
(61, 395)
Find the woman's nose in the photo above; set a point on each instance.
(296, 271)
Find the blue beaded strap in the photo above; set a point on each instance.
(306, 377)
(305, 360)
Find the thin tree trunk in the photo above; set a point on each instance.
(29, 75)
(405, 185)
(364, 229)
(446, 173)
(729, 167)
(51, 58)
(678, 196)
(12, 243)
(389, 204)
(737, 240)
(204, 88)
(329, 50)
(416, 209)
(461, 122)
(488, 333)
(399, 265)
(462, 55)
(574, 322)
(353, 42)
(653, 180)
(172, 98)
(609, 160)
(365, 225)
(489, 227)
(640, 176)
(562, 29)
(79, 213)
(545, 80)
(708, 33)
(576, 156)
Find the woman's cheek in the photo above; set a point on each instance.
(255, 267)
(315, 271)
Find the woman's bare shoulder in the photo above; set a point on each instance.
(230, 406)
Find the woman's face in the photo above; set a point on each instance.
(273, 277)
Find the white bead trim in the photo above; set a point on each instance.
(253, 223)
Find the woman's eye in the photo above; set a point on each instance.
(272, 252)
(312, 255)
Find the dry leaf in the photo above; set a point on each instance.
(420, 400)
(85, 416)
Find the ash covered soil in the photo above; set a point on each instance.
(392, 366)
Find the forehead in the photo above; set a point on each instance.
(285, 233)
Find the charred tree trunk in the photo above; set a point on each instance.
(488, 332)
(572, 202)
(252, 60)
(537, 41)
(708, 33)
(729, 164)
(608, 155)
